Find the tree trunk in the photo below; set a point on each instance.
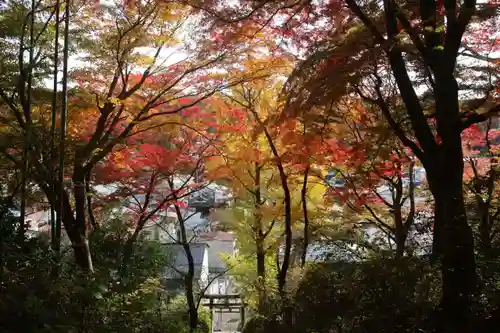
(483, 206)
(189, 281)
(189, 277)
(442, 155)
(485, 225)
(303, 194)
(401, 232)
(128, 250)
(453, 237)
(80, 219)
(259, 241)
(90, 211)
(261, 274)
(78, 238)
(453, 244)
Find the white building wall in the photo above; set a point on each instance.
(204, 275)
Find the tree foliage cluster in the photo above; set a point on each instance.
(359, 141)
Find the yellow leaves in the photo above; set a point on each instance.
(260, 35)
(217, 167)
(316, 194)
(114, 100)
(145, 61)
(166, 40)
(173, 12)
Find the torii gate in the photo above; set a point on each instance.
(230, 303)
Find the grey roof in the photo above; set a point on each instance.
(220, 244)
(196, 222)
(218, 248)
(179, 262)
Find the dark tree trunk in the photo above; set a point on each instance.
(77, 233)
(90, 211)
(80, 218)
(442, 155)
(485, 228)
(453, 245)
(189, 277)
(259, 241)
(303, 194)
(188, 283)
(400, 230)
(453, 237)
(53, 152)
(261, 274)
(77, 236)
(401, 233)
(128, 250)
(483, 205)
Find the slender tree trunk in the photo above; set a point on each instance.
(53, 153)
(401, 233)
(189, 277)
(79, 197)
(306, 217)
(483, 207)
(90, 211)
(261, 273)
(485, 224)
(27, 135)
(77, 238)
(189, 287)
(75, 224)
(283, 268)
(259, 242)
(287, 199)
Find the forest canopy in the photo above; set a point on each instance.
(329, 166)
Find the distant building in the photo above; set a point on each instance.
(220, 244)
(178, 267)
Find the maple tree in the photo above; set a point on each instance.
(254, 186)
(163, 87)
(122, 92)
(391, 32)
(155, 177)
(139, 176)
(376, 176)
(159, 172)
(269, 180)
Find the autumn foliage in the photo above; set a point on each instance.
(320, 117)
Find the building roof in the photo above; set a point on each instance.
(179, 263)
(220, 244)
(216, 235)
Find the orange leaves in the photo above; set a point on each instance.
(81, 122)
